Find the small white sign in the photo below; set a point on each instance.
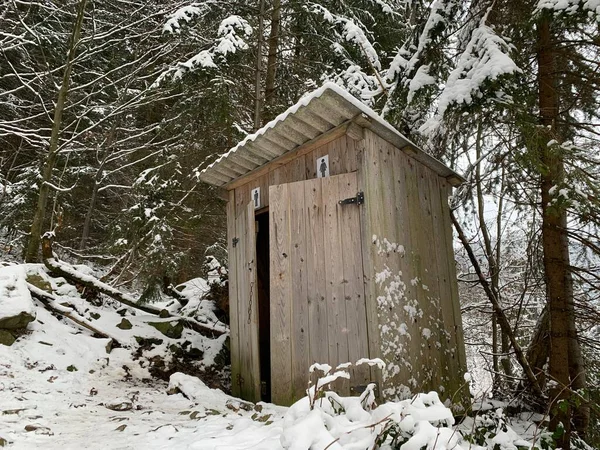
(256, 197)
(323, 166)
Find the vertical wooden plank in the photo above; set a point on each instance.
(393, 286)
(279, 175)
(298, 256)
(234, 339)
(418, 259)
(297, 169)
(354, 291)
(368, 219)
(451, 377)
(264, 190)
(315, 268)
(334, 149)
(445, 192)
(242, 288)
(431, 323)
(351, 156)
(242, 198)
(246, 376)
(281, 285)
(336, 317)
(409, 308)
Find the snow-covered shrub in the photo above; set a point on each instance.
(325, 419)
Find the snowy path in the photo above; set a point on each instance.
(43, 405)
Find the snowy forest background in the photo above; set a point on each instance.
(109, 110)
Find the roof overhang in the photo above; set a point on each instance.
(315, 114)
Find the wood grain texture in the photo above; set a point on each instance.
(432, 322)
(445, 192)
(234, 340)
(336, 311)
(315, 268)
(299, 290)
(446, 334)
(281, 294)
(243, 293)
(403, 206)
(354, 291)
(369, 275)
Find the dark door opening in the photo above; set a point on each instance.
(264, 307)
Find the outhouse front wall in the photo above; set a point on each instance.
(410, 274)
(344, 156)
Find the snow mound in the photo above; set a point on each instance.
(15, 300)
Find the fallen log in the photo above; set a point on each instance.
(69, 273)
(51, 303)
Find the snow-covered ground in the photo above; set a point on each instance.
(44, 405)
(61, 389)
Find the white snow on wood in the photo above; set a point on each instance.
(334, 98)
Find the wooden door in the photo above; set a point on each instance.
(243, 306)
(318, 309)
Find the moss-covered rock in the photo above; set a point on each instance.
(6, 338)
(169, 329)
(21, 320)
(39, 282)
(125, 324)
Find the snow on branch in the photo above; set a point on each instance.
(351, 32)
(185, 13)
(570, 7)
(231, 37)
(485, 59)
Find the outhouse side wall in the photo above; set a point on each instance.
(410, 275)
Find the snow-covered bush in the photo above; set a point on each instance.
(325, 419)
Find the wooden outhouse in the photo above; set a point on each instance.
(340, 248)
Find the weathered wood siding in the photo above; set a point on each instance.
(245, 367)
(318, 309)
(414, 316)
(349, 282)
(342, 159)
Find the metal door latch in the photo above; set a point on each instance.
(359, 199)
(234, 241)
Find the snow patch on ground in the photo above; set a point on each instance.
(14, 295)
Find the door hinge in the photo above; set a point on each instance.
(234, 241)
(359, 199)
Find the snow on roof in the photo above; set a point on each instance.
(316, 113)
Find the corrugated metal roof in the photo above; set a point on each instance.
(322, 110)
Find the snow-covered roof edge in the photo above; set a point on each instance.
(314, 114)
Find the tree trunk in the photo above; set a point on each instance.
(259, 44)
(33, 244)
(555, 242)
(85, 234)
(581, 414)
(272, 60)
(537, 352)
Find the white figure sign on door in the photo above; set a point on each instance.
(323, 166)
(256, 197)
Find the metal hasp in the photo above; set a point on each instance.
(234, 241)
(359, 199)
